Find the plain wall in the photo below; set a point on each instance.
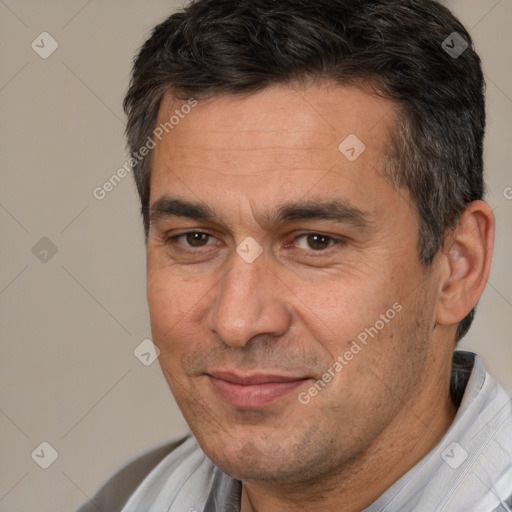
(70, 324)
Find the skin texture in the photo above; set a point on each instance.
(304, 300)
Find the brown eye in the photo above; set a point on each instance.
(316, 241)
(196, 239)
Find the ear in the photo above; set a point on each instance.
(466, 263)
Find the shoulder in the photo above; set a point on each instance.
(118, 488)
(474, 459)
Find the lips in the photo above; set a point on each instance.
(252, 391)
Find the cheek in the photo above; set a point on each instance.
(170, 296)
(337, 311)
(167, 307)
(177, 308)
(163, 306)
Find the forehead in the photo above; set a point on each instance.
(283, 139)
(320, 113)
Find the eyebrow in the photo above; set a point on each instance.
(335, 210)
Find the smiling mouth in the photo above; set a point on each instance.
(254, 391)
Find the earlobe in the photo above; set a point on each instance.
(466, 259)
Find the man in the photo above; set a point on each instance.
(310, 176)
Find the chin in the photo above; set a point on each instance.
(262, 457)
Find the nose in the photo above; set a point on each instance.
(250, 301)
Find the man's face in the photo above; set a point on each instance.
(244, 341)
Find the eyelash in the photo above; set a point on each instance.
(173, 240)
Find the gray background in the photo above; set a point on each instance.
(71, 320)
